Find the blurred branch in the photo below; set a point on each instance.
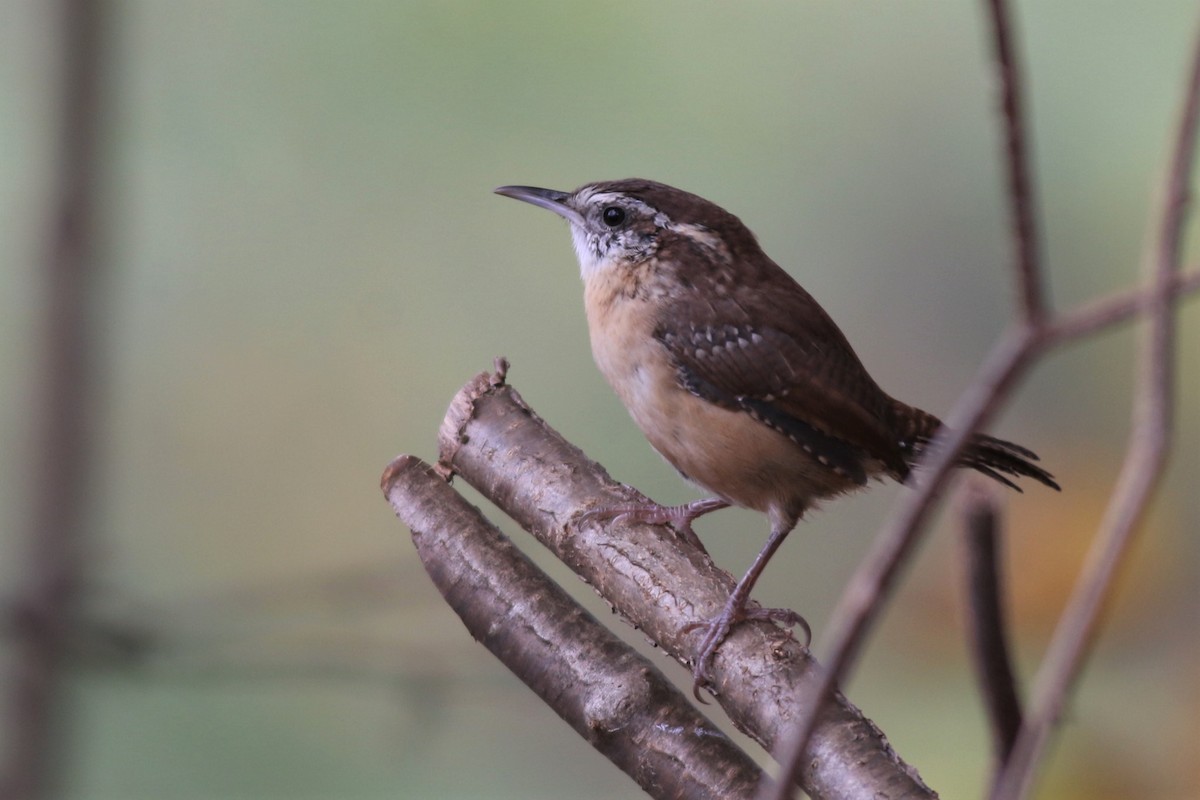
(1027, 268)
(41, 617)
(612, 696)
(1140, 474)
(871, 586)
(761, 676)
(988, 631)
(1116, 308)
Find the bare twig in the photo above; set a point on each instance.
(612, 696)
(1144, 463)
(871, 585)
(41, 617)
(1020, 188)
(762, 676)
(988, 630)
(1116, 308)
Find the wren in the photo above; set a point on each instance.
(735, 373)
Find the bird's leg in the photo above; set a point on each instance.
(651, 513)
(736, 610)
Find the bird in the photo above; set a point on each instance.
(736, 375)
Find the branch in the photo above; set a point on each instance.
(988, 632)
(762, 676)
(1140, 474)
(870, 587)
(1020, 188)
(612, 696)
(872, 583)
(44, 612)
(1116, 308)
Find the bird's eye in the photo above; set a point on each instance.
(613, 216)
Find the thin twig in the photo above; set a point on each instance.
(869, 588)
(1119, 307)
(42, 615)
(1025, 240)
(986, 619)
(1140, 474)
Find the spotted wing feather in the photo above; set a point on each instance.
(788, 386)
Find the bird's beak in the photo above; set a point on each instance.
(550, 199)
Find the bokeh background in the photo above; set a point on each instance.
(304, 261)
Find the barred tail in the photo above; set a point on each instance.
(993, 457)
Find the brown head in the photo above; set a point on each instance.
(632, 221)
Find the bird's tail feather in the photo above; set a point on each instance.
(998, 459)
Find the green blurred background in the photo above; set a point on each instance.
(306, 261)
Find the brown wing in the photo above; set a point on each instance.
(779, 357)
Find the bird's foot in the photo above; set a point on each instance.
(717, 629)
(649, 512)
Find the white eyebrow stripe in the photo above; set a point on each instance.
(703, 236)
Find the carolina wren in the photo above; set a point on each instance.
(734, 372)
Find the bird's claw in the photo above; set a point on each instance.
(718, 629)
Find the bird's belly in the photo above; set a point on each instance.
(725, 452)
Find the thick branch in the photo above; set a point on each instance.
(762, 676)
(612, 696)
